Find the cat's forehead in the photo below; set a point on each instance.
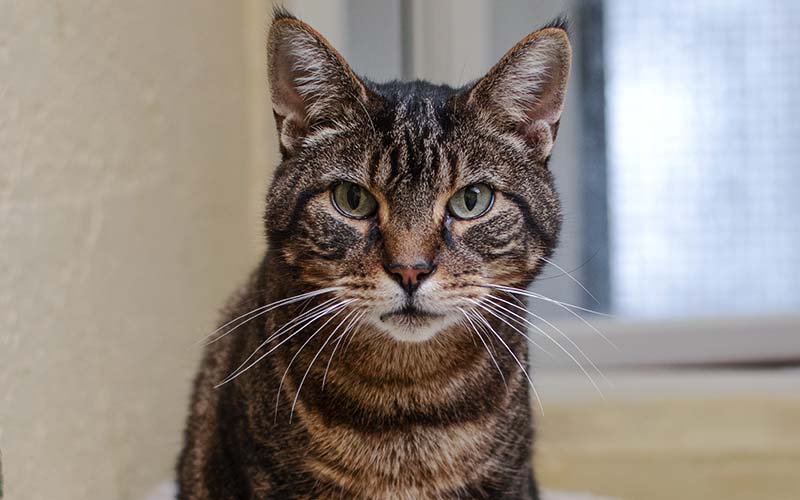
(416, 149)
(413, 154)
(419, 111)
(413, 107)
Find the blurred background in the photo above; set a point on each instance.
(136, 143)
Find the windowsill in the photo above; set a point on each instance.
(765, 340)
(666, 434)
(570, 386)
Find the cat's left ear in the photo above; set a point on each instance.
(524, 92)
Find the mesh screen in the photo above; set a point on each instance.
(703, 116)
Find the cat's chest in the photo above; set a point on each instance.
(423, 460)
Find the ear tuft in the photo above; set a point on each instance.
(312, 86)
(562, 23)
(524, 92)
(280, 12)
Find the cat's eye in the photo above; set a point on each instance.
(471, 201)
(353, 200)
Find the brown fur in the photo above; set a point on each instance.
(429, 409)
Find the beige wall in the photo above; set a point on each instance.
(128, 135)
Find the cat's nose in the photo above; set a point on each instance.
(410, 276)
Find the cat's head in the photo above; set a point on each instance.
(413, 197)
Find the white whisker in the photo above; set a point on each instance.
(241, 369)
(299, 387)
(311, 312)
(560, 332)
(562, 305)
(558, 344)
(297, 353)
(478, 334)
(314, 311)
(338, 342)
(523, 369)
(536, 295)
(483, 329)
(349, 340)
(573, 278)
(264, 309)
(536, 344)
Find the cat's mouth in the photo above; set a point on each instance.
(410, 316)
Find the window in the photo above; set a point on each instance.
(678, 159)
(703, 156)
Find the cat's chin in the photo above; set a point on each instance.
(412, 326)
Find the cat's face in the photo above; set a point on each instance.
(412, 197)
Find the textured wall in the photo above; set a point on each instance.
(126, 142)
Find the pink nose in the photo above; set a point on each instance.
(410, 277)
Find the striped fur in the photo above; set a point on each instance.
(395, 410)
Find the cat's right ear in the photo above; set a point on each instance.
(312, 86)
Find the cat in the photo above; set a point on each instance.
(374, 352)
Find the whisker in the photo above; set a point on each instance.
(311, 312)
(338, 342)
(300, 387)
(562, 305)
(524, 371)
(241, 369)
(297, 353)
(266, 307)
(352, 334)
(536, 295)
(560, 332)
(536, 344)
(573, 278)
(314, 311)
(516, 299)
(472, 334)
(479, 328)
(478, 334)
(304, 305)
(488, 338)
(569, 354)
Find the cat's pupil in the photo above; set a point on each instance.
(353, 196)
(471, 197)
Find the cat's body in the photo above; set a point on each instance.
(401, 380)
(396, 421)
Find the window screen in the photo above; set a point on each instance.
(703, 128)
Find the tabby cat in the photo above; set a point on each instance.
(377, 351)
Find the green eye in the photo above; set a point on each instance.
(471, 202)
(353, 200)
